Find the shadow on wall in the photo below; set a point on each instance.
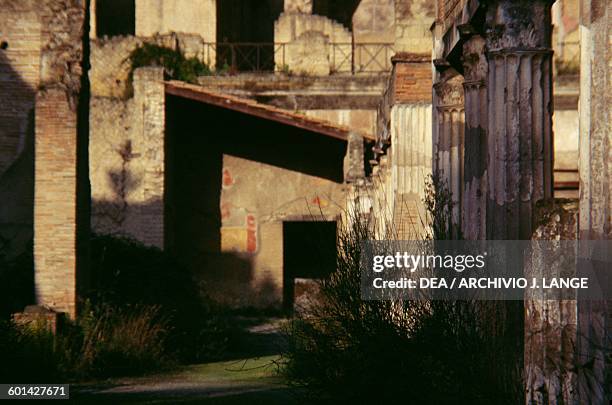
(338, 10)
(17, 128)
(197, 137)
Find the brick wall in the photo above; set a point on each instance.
(20, 30)
(58, 156)
(55, 202)
(412, 78)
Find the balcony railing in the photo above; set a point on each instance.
(269, 57)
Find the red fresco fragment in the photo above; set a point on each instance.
(251, 233)
(228, 180)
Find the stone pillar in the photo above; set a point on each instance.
(410, 133)
(520, 147)
(473, 214)
(55, 202)
(61, 185)
(449, 145)
(149, 98)
(595, 168)
(411, 164)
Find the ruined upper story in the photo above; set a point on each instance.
(312, 37)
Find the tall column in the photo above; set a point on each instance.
(61, 180)
(149, 98)
(449, 143)
(520, 154)
(594, 323)
(475, 69)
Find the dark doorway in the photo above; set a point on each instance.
(197, 137)
(309, 251)
(338, 10)
(245, 33)
(115, 17)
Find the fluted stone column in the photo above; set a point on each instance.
(520, 154)
(449, 140)
(475, 69)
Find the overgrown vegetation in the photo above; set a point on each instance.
(175, 64)
(16, 279)
(348, 350)
(103, 342)
(145, 314)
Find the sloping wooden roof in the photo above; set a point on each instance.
(264, 111)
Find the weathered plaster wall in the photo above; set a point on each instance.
(187, 16)
(595, 218)
(296, 29)
(550, 335)
(126, 155)
(360, 120)
(252, 213)
(413, 20)
(374, 22)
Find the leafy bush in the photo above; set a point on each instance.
(347, 350)
(176, 65)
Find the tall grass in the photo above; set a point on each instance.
(104, 342)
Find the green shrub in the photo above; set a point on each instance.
(175, 64)
(347, 350)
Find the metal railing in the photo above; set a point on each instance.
(268, 57)
(245, 56)
(372, 58)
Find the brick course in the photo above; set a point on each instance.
(55, 203)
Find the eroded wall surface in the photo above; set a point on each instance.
(255, 200)
(187, 16)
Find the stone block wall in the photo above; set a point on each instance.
(291, 29)
(110, 59)
(110, 66)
